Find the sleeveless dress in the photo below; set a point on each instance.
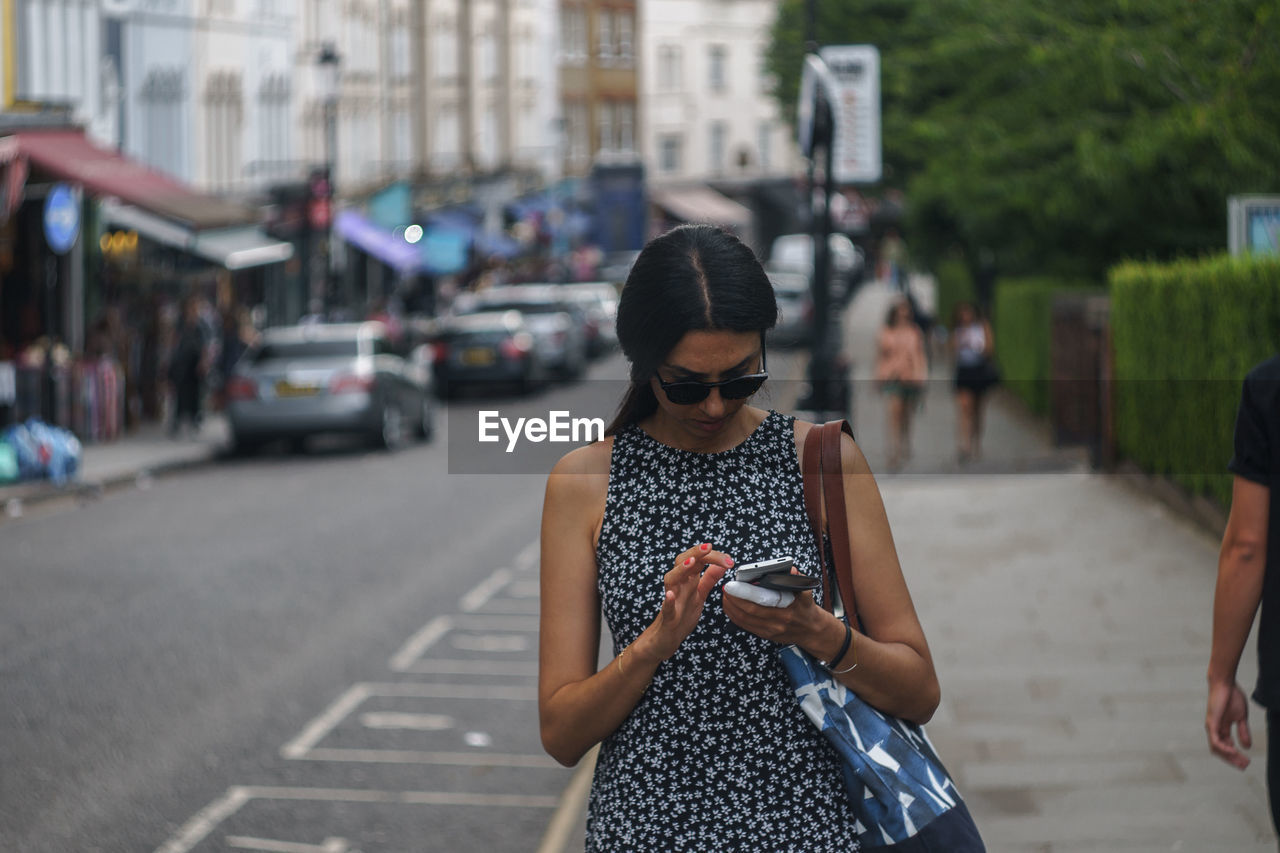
(717, 755)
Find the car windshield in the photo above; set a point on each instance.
(309, 349)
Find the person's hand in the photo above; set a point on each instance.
(1227, 707)
(796, 623)
(687, 586)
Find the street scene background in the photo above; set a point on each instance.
(265, 266)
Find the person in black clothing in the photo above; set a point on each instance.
(186, 368)
(1249, 575)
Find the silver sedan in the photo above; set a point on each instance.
(343, 378)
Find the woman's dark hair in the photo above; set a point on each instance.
(692, 278)
(891, 319)
(961, 306)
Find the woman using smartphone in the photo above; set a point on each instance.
(703, 743)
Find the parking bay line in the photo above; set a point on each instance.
(408, 655)
(328, 720)
(208, 818)
(486, 590)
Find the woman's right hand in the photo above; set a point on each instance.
(687, 586)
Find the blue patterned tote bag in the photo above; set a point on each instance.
(902, 795)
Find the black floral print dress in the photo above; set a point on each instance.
(717, 755)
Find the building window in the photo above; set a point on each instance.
(766, 145)
(670, 72)
(719, 60)
(163, 140)
(401, 62)
(444, 142)
(489, 57)
(604, 125)
(273, 128)
(627, 128)
(578, 133)
(224, 103)
(669, 149)
(626, 39)
(718, 137)
(573, 26)
(445, 49)
(604, 37)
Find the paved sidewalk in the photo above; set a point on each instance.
(1069, 616)
(145, 452)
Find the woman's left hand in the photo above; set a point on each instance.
(799, 622)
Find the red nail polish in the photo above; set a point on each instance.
(704, 546)
(689, 562)
(729, 560)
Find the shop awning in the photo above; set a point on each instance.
(235, 248)
(71, 156)
(389, 248)
(240, 248)
(701, 204)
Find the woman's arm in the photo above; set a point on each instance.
(579, 706)
(894, 668)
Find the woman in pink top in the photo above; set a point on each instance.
(901, 370)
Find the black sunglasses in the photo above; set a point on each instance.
(689, 391)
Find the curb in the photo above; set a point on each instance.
(44, 492)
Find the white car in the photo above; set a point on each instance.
(794, 253)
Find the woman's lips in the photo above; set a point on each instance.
(710, 426)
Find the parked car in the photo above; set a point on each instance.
(600, 301)
(795, 308)
(558, 323)
(487, 348)
(794, 253)
(304, 380)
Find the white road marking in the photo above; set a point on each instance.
(449, 759)
(524, 589)
(569, 810)
(318, 728)
(419, 643)
(491, 643)
(487, 589)
(479, 740)
(329, 845)
(514, 606)
(325, 723)
(497, 623)
(207, 819)
(472, 667)
(527, 558)
(416, 722)
(204, 821)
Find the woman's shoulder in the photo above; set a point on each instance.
(852, 461)
(591, 460)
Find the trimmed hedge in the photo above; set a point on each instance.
(1022, 325)
(1184, 335)
(955, 284)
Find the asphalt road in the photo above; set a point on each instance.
(332, 651)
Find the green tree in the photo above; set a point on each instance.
(1065, 135)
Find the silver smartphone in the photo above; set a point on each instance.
(776, 573)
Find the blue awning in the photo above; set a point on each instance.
(497, 245)
(391, 249)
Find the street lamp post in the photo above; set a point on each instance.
(330, 64)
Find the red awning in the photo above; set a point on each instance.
(70, 156)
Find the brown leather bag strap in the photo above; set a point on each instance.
(811, 470)
(837, 515)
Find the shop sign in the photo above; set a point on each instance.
(61, 218)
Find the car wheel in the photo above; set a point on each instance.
(391, 428)
(427, 425)
(242, 445)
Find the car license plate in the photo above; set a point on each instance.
(285, 388)
(478, 356)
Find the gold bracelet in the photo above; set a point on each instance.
(853, 650)
(620, 657)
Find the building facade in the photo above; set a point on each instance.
(599, 83)
(707, 109)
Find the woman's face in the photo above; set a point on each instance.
(901, 314)
(706, 356)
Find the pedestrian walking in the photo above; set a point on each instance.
(1249, 575)
(901, 371)
(973, 348)
(703, 743)
(187, 368)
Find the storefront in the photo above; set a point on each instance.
(145, 243)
